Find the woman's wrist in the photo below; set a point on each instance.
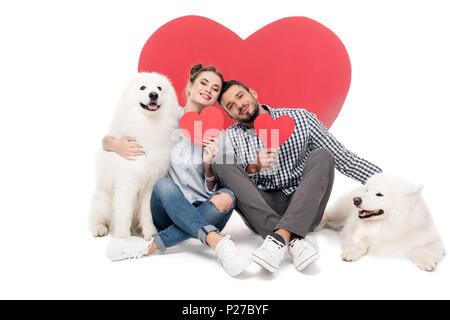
(113, 144)
(208, 170)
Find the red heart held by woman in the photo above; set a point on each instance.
(294, 62)
(197, 127)
(274, 132)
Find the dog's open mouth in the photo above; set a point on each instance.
(364, 214)
(150, 107)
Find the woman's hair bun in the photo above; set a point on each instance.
(195, 69)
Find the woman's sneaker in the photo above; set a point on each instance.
(127, 248)
(232, 260)
(302, 253)
(270, 254)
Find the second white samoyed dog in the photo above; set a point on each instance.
(147, 112)
(388, 214)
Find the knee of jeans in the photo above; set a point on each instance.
(224, 200)
(164, 186)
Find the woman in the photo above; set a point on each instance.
(187, 203)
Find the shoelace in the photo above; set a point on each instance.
(271, 242)
(140, 253)
(278, 243)
(292, 244)
(136, 256)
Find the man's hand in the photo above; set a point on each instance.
(265, 159)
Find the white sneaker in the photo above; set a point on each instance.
(232, 260)
(127, 248)
(302, 253)
(270, 254)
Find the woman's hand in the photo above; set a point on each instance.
(210, 149)
(126, 147)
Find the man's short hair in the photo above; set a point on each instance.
(227, 84)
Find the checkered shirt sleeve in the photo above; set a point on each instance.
(347, 162)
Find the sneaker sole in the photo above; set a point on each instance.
(266, 265)
(307, 262)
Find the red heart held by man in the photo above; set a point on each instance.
(197, 127)
(293, 62)
(274, 132)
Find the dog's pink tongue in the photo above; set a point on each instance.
(363, 213)
(152, 107)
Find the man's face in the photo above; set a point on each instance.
(240, 105)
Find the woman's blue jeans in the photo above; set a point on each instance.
(177, 219)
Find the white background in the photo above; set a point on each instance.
(63, 66)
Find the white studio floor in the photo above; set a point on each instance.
(68, 264)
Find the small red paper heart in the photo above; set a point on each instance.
(197, 127)
(273, 133)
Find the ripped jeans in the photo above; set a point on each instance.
(177, 219)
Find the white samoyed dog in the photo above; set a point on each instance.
(147, 111)
(386, 215)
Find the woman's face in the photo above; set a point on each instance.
(205, 89)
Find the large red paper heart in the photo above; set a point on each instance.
(292, 62)
(274, 132)
(205, 125)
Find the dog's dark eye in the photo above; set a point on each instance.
(143, 88)
(379, 195)
(159, 88)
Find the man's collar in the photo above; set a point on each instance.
(267, 108)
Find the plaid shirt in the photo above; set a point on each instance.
(309, 134)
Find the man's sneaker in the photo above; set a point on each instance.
(232, 260)
(127, 248)
(270, 254)
(302, 253)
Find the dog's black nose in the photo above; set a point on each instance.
(153, 95)
(357, 201)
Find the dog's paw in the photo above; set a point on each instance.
(425, 264)
(100, 230)
(353, 254)
(148, 231)
(121, 233)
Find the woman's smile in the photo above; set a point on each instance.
(205, 96)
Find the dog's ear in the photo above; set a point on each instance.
(416, 190)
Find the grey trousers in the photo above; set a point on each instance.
(265, 211)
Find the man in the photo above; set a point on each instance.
(282, 194)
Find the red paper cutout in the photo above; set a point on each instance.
(292, 62)
(273, 133)
(197, 127)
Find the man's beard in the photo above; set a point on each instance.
(251, 116)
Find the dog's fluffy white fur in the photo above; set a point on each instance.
(387, 215)
(147, 111)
